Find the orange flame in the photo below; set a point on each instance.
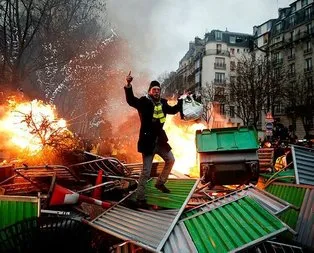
(182, 141)
(22, 125)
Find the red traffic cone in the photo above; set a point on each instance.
(97, 191)
(63, 196)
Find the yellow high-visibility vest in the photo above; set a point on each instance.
(280, 163)
(159, 114)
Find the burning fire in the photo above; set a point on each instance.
(182, 141)
(28, 127)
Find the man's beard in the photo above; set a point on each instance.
(156, 98)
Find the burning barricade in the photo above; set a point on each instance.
(34, 140)
(95, 189)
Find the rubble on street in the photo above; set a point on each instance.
(86, 206)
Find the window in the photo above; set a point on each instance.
(218, 35)
(197, 64)
(278, 57)
(238, 110)
(309, 83)
(231, 112)
(238, 50)
(232, 39)
(239, 39)
(220, 62)
(307, 13)
(291, 53)
(293, 8)
(219, 78)
(259, 30)
(218, 48)
(308, 64)
(222, 109)
(231, 50)
(304, 2)
(265, 38)
(309, 28)
(278, 27)
(268, 26)
(291, 36)
(197, 77)
(308, 46)
(292, 69)
(292, 20)
(279, 109)
(232, 65)
(232, 79)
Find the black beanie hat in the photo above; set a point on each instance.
(153, 84)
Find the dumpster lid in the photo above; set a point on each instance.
(226, 139)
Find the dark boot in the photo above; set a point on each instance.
(162, 188)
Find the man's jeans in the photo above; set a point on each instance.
(147, 166)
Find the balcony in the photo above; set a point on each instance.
(307, 51)
(308, 70)
(217, 52)
(220, 65)
(304, 34)
(219, 81)
(278, 61)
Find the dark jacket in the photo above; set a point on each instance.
(148, 135)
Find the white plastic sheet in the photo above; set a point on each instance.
(191, 109)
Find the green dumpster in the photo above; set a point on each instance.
(228, 156)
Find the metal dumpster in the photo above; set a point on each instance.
(228, 156)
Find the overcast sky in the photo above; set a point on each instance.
(159, 31)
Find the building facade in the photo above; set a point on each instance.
(209, 65)
(289, 42)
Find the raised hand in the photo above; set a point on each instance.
(129, 78)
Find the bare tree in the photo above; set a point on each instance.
(171, 83)
(298, 95)
(257, 87)
(29, 29)
(211, 97)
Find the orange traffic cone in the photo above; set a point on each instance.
(64, 196)
(97, 191)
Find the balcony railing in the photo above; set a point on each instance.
(219, 65)
(278, 61)
(304, 34)
(308, 70)
(219, 81)
(308, 51)
(217, 52)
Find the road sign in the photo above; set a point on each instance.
(269, 126)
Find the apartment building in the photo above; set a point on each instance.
(190, 66)
(210, 63)
(288, 40)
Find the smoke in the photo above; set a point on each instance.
(144, 25)
(159, 32)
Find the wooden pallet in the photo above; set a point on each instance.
(265, 157)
